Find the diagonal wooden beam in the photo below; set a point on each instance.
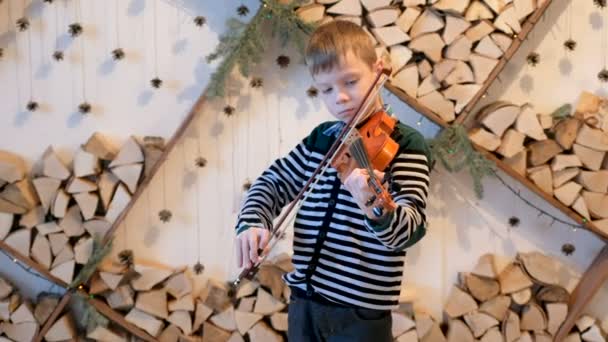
(32, 264)
(53, 317)
(119, 319)
(592, 280)
(179, 133)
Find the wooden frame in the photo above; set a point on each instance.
(502, 62)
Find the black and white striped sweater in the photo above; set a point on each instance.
(338, 252)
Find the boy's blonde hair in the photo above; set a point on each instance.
(330, 43)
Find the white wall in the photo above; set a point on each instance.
(267, 123)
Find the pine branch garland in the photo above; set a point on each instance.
(88, 317)
(243, 44)
(453, 147)
(97, 255)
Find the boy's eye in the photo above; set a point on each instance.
(352, 82)
(327, 90)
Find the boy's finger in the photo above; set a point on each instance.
(265, 239)
(239, 253)
(253, 247)
(245, 251)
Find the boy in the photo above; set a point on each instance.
(348, 267)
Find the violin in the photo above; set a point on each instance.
(372, 148)
(369, 146)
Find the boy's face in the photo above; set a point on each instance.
(344, 87)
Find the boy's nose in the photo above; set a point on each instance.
(342, 97)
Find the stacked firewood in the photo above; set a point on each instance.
(515, 300)
(21, 319)
(564, 155)
(441, 51)
(52, 215)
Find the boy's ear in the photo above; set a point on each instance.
(382, 65)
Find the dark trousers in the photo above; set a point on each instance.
(314, 320)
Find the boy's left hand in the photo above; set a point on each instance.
(357, 184)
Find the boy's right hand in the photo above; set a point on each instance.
(249, 244)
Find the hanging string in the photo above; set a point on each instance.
(10, 21)
(79, 20)
(198, 190)
(117, 25)
(155, 47)
(29, 46)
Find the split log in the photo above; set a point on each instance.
(245, 320)
(101, 147)
(496, 307)
(430, 44)
(64, 271)
(480, 322)
(12, 167)
(482, 289)
(522, 297)
(542, 151)
(497, 117)
(383, 17)
(85, 163)
(182, 320)
(460, 49)
(454, 27)
(122, 299)
(41, 251)
(487, 47)
(19, 240)
(201, 314)
(485, 139)
(528, 124)
(459, 303)
(511, 327)
(63, 329)
(129, 174)
(533, 318)
(512, 143)
(518, 162)
(146, 322)
(311, 13)
(438, 104)
(261, 332)
(562, 161)
(566, 131)
(513, 279)
(71, 223)
(479, 30)
(462, 73)
(46, 188)
(452, 6)
(592, 138)
(121, 199)
(556, 315)
(561, 177)
(407, 80)
(408, 18)
(266, 304)
(567, 193)
(478, 11)
(53, 166)
(590, 158)
(597, 203)
(390, 35)
(399, 55)
(442, 69)
(595, 181)
(482, 67)
(507, 20)
(77, 185)
(6, 223)
(428, 22)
